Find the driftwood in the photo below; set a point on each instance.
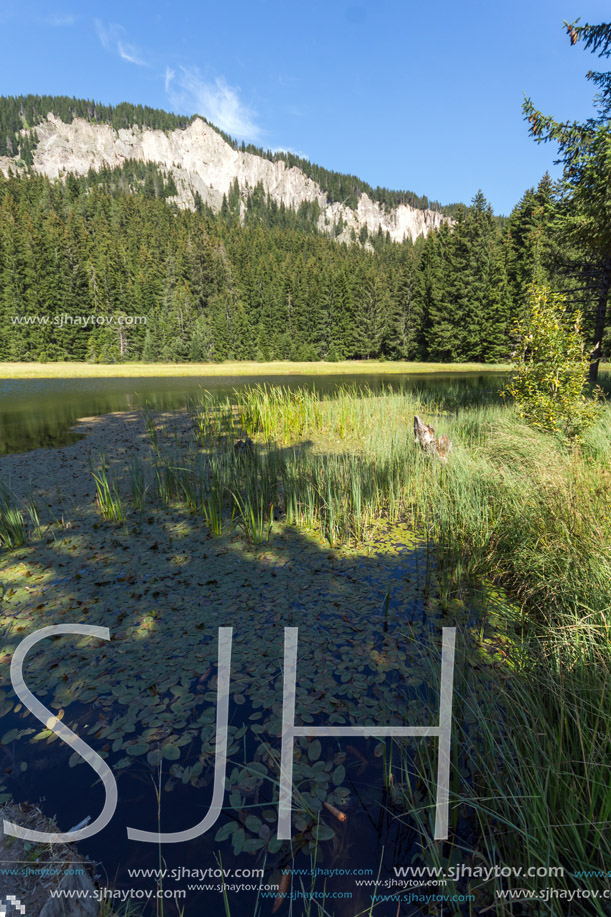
(30, 894)
(438, 446)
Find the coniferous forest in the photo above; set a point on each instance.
(264, 285)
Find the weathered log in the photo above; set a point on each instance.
(33, 891)
(424, 436)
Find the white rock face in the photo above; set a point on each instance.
(201, 161)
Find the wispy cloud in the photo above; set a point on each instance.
(112, 38)
(217, 101)
(129, 53)
(102, 34)
(59, 22)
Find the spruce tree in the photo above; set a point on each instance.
(585, 152)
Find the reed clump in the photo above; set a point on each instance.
(516, 507)
(12, 524)
(513, 504)
(108, 497)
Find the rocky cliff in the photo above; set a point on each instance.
(200, 161)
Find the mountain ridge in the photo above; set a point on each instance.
(205, 167)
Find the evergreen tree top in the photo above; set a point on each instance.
(575, 138)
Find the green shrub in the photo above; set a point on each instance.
(550, 383)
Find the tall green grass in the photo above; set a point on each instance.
(529, 774)
(108, 498)
(511, 503)
(521, 509)
(12, 523)
(513, 507)
(139, 485)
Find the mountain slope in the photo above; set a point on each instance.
(205, 165)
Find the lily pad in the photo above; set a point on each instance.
(171, 752)
(323, 833)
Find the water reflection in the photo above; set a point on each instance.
(40, 413)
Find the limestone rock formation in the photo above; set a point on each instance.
(200, 161)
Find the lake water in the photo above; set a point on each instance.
(333, 663)
(38, 413)
(358, 616)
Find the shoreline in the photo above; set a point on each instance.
(75, 370)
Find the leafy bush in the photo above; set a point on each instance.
(550, 383)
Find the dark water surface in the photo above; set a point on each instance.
(381, 598)
(37, 413)
(379, 833)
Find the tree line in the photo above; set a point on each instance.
(17, 112)
(262, 285)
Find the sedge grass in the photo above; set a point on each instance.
(512, 506)
(139, 485)
(255, 517)
(108, 498)
(12, 523)
(530, 754)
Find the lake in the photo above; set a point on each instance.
(370, 619)
(37, 413)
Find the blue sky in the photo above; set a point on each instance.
(424, 96)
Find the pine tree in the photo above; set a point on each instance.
(585, 152)
(529, 240)
(468, 317)
(370, 316)
(441, 319)
(404, 327)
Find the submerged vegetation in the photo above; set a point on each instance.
(517, 517)
(514, 507)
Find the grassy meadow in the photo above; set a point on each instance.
(516, 516)
(74, 370)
